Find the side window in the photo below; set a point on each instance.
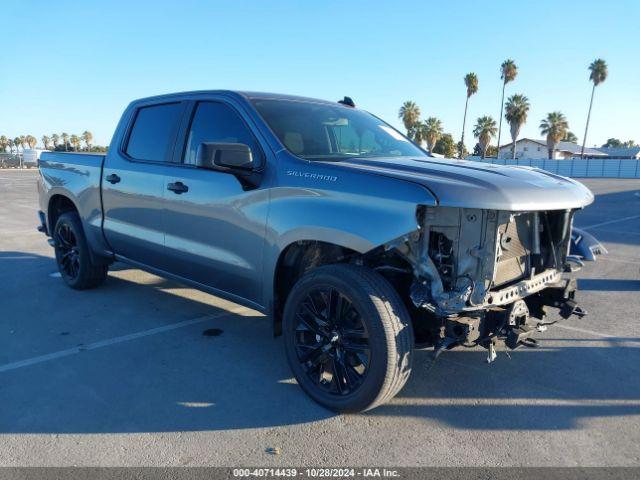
(152, 132)
(217, 122)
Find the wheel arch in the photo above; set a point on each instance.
(57, 205)
(297, 259)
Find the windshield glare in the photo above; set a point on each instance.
(320, 131)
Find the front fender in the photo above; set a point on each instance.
(359, 213)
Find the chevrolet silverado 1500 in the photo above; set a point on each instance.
(358, 245)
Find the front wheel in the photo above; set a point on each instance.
(72, 254)
(348, 337)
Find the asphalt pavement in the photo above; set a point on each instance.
(144, 371)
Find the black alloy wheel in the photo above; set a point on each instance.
(332, 342)
(66, 245)
(75, 263)
(348, 337)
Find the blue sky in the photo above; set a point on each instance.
(72, 65)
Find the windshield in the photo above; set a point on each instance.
(320, 131)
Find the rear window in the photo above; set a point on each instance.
(152, 132)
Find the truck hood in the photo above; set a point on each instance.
(461, 183)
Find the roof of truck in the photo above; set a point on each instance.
(247, 95)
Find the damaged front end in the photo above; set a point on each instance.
(483, 276)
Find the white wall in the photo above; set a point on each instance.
(528, 149)
(578, 168)
(32, 155)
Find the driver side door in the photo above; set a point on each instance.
(215, 227)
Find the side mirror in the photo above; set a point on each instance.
(226, 157)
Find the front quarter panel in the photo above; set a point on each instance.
(319, 202)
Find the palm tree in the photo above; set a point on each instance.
(11, 143)
(65, 140)
(46, 141)
(516, 114)
(432, 132)
(31, 141)
(75, 141)
(471, 82)
(484, 129)
(409, 113)
(417, 133)
(555, 127)
(87, 136)
(570, 137)
(4, 143)
(508, 72)
(55, 139)
(23, 141)
(17, 142)
(598, 75)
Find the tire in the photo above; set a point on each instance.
(73, 256)
(355, 360)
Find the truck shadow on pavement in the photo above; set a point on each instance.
(609, 284)
(181, 380)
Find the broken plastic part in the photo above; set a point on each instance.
(491, 353)
(574, 264)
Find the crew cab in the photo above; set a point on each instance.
(357, 244)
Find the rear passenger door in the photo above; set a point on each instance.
(133, 183)
(215, 228)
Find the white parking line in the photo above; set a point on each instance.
(112, 341)
(607, 258)
(622, 232)
(582, 330)
(610, 222)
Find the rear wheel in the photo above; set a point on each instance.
(348, 337)
(72, 254)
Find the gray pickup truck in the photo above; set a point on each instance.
(358, 245)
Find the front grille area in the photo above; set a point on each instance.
(514, 249)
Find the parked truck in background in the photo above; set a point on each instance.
(358, 245)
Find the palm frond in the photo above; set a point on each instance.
(508, 71)
(409, 113)
(471, 82)
(599, 71)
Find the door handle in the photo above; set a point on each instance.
(113, 178)
(177, 187)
